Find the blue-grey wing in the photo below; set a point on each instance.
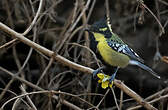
(123, 48)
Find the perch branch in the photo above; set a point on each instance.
(73, 65)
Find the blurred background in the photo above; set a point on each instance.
(60, 27)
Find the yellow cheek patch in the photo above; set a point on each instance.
(103, 29)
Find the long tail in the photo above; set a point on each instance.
(133, 62)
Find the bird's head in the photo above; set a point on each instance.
(101, 27)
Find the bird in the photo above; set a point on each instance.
(112, 50)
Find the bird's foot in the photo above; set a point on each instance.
(105, 80)
(111, 79)
(95, 72)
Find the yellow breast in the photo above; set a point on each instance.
(112, 57)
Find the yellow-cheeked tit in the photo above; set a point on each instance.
(112, 51)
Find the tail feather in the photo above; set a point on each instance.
(133, 62)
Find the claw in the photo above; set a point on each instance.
(105, 80)
(111, 79)
(95, 72)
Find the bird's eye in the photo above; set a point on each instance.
(103, 29)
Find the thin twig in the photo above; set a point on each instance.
(151, 102)
(35, 18)
(8, 43)
(115, 99)
(45, 71)
(107, 8)
(73, 26)
(38, 88)
(134, 95)
(121, 99)
(162, 28)
(15, 104)
(103, 98)
(28, 98)
(153, 97)
(88, 50)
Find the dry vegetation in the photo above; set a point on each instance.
(54, 74)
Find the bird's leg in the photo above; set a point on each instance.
(111, 79)
(95, 72)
